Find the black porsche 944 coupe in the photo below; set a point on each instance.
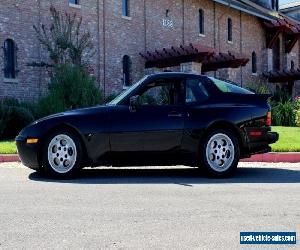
(164, 119)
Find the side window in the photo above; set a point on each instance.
(10, 59)
(195, 91)
(201, 21)
(229, 29)
(74, 1)
(125, 7)
(162, 93)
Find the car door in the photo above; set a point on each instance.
(155, 126)
(198, 113)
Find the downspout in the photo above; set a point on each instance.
(241, 46)
(215, 38)
(183, 22)
(145, 26)
(98, 45)
(40, 49)
(104, 49)
(219, 19)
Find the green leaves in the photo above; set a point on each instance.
(64, 39)
(13, 117)
(283, 113)
(71, 87)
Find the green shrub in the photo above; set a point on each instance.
(13, 117)
(297, 118)
(71, 87)
(281, 96)
(297, 105)
(283, 113)
(258, 88)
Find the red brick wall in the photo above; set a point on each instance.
(115, 36)
(16, 22)
(253, 40)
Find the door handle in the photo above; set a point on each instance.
(174, 114)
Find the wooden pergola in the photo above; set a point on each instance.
(286, 26)
(280, 76)
(211, 61)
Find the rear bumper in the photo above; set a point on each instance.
(27, 153)
(260, 144)
(265, 139)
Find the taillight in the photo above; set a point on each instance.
(269, 119)
(255, 133)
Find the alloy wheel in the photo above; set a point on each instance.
(220, 152)
(62, 153)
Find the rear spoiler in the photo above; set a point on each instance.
(249, 97)
(263, 97)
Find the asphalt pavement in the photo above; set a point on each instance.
(147, 208)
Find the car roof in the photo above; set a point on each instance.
(174, 73)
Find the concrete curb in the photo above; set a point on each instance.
(9, 158)
(291, 157)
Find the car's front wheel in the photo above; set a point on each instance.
(220, 153)
(61, 154)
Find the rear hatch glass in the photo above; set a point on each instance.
(227, 87)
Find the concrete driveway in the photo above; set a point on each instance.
(147, 208)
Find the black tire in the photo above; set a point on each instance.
(208, 159)
(73, 150)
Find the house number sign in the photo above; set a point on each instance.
(167, 23)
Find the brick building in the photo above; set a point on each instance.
(245, 41)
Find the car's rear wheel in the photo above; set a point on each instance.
(62, 154)
(220, 153)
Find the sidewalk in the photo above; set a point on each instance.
(269, 157)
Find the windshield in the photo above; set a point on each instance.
(228, 87)
(121, 96)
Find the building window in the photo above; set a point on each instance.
(126, 70)
(201, 21)
(254, 63)
(74, 2)
(229, 30)
(10, 59)
(125, 7)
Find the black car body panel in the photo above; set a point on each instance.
(117, 134)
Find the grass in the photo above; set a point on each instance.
(289, 141)
(8, 147)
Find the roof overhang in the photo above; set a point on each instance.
(289, 6)
(249, 8)
(284, 25)
(283, 75)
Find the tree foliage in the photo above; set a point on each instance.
(71, 88)
(64, 39)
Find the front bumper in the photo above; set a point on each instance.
(28, 153)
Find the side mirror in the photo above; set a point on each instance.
(134, 102)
